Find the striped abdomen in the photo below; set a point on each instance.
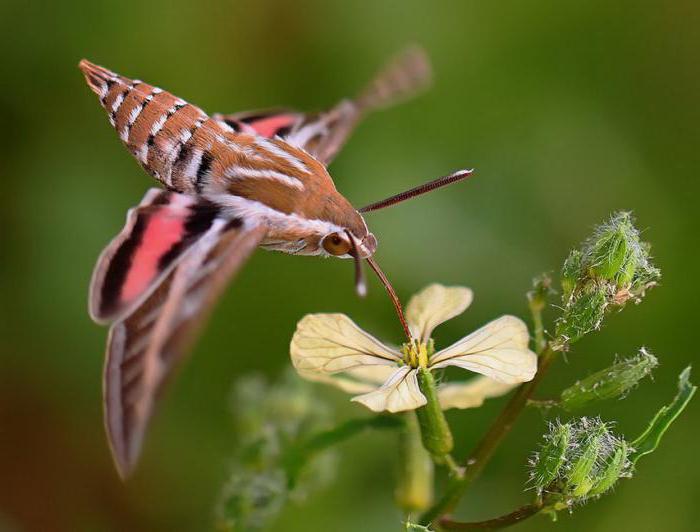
(192, 153)
(169, 137)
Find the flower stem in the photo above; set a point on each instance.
(536, 307)
(455, 470)
(503, 521)
(487, 446)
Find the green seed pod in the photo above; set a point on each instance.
(614, 468)
(609, 383)
(550, 459)
(414, 490)
(580, 477)
(435, 432)
(584, 314)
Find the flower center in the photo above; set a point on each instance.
(416, 354)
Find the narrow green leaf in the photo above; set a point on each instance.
(649, 440)
(299, 455)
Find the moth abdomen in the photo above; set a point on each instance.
(157, 127)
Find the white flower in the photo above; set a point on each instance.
(331, 348)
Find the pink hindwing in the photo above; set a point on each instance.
(156, 235)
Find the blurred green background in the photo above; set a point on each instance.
(568, 111)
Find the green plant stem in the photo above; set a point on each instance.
(487, 446)
(453, 467)
(503, 521)
(536, 308)
(298, 456)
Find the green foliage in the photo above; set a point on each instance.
(251, 498)
(611, 382)
(271, 419)
(284, 453)
(297, 456)
(649, 440)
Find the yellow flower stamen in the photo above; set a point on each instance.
(416, 354)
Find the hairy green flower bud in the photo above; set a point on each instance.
(547, 463)
(612, 252)
(611, 267)
(571, 272)
(579, 460)
(590, 439)
(613, 469)
(583, 315)
(609, 383)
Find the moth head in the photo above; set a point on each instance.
(345, 244)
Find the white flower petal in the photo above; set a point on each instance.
(434, 305)
(498, 350)
(400, 392)
(364, 379)
(471, 393)
(331, 343)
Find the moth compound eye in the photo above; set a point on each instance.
(335, 244)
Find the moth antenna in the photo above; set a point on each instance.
(418, 191)
(392, 294)
(360, 281)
